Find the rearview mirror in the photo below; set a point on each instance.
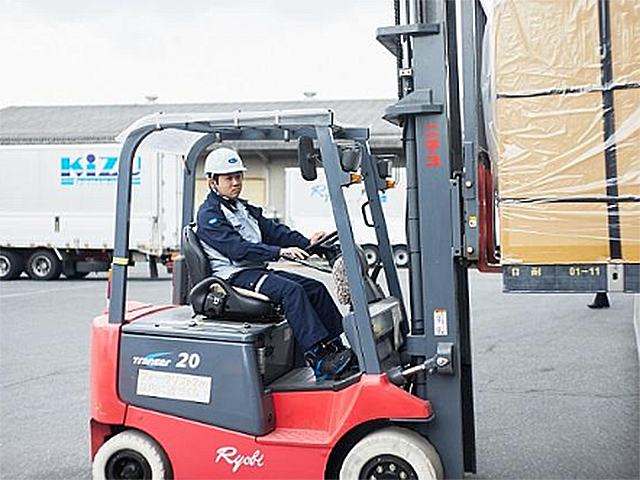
(307, 158)
(350, 158)
(385, 165)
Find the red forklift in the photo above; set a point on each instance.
(213, 386)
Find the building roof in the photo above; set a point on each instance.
(47, 125)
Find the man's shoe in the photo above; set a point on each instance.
(600, 301)
(335, 344)
(329, 362)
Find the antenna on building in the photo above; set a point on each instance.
(309, 95)
(151, 98)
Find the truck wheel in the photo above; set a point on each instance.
(11, 264)
(43, 265)
(131, 454)
(392, 453)
(401, 256)
(371, 254)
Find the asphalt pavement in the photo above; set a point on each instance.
(556, 384)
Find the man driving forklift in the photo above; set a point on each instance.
(239, 241)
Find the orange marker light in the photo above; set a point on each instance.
(355, 178)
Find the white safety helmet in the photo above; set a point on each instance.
(223, 161)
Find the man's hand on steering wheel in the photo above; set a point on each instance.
(317, 236)
(322, 243)
(293, 252)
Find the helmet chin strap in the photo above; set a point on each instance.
(214, 189)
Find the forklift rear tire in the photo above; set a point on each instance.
(43, 265)
(11, 264)
(392, 452)
(131, 454)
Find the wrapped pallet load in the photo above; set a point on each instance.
(563, 110)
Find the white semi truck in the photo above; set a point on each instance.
(57, 202)
(308, 210)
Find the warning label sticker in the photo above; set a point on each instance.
(176, 386)
(440, 325)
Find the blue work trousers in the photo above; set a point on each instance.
(308, 306)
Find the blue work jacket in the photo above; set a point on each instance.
(235, 235)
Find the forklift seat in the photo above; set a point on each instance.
(215, 298)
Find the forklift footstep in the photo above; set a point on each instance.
(304, 379)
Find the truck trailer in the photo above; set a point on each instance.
(308, 209)
(56, 209)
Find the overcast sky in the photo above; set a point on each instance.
(70, 52)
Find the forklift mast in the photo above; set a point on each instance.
(442, 202)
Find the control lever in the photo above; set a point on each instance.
(441, 362)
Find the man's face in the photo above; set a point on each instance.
(229, 185)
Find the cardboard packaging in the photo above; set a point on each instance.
(627, 120)
(625, 40)
(630, 231)
(565, 146)
(544, 45)
(550, 146)
(554, 233)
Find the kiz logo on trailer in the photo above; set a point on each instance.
(91, 169)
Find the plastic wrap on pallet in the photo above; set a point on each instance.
(564, 141)
(625, 40)
(548, 146)
(545, 44)
(584, 231)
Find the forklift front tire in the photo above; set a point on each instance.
(392, 452)
(131, 454)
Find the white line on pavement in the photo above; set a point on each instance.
(38, 292)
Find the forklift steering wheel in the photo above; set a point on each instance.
(325, 241)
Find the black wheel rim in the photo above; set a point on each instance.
(128, 465)
(387, 467)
